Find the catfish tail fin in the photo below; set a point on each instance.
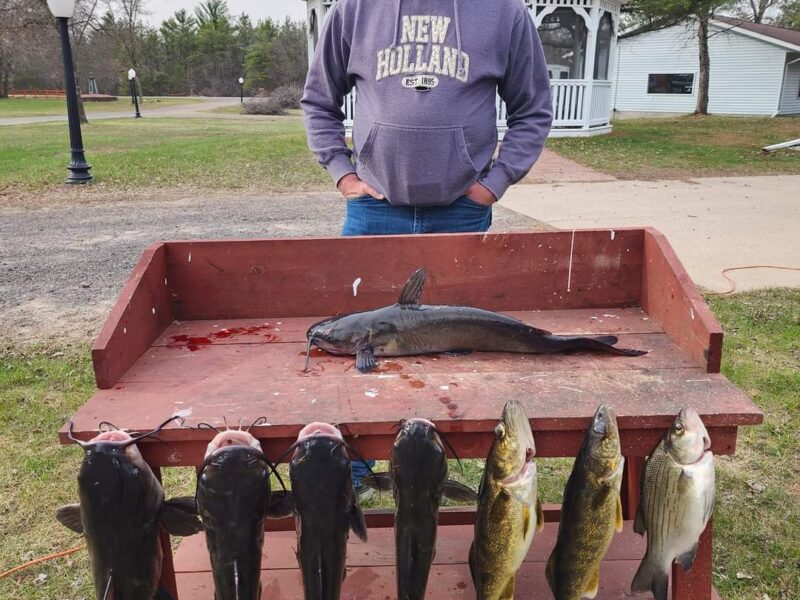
(603, 343)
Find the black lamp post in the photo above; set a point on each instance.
(134, 95)
(241, 90)
(78, 167)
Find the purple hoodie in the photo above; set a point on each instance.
(426, 73)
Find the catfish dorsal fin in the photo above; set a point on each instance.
(412, 290)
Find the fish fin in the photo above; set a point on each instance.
(365, 359)
(281, 505)
(471, 561)
(603, 343)
(638, 522)
(593, 585)
(459, 492)
(179, 517)
(537, 331)
(526, 520)
(412, 290)
(108, 591)
(539, 516)
(620, 520)
(457, 352)
(687, 558)
(357, 522)
(508, 591)
(378, 481)
(69, 516)
(650, 577)
(162, 594)
(550, 572)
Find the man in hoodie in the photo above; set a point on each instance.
(426, 74)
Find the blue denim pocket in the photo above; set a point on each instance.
(467, 201)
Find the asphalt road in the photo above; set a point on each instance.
(62, 266)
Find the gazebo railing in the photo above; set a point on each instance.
(601, 103)
(570, 110)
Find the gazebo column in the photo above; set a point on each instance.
(592, 18)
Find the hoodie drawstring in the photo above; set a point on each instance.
(397, 22)
(459, 62)
(456, 22)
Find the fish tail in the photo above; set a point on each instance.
(603, 343)
(651, 577)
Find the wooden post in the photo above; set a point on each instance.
(696, 584)
(167, 580)
(631, 476)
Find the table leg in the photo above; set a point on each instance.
(167, 581)
(696, 584)
(629, 493)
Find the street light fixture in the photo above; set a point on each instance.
(78, 167)
(241, 90)
(134, 96)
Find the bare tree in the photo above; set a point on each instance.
(756, 10)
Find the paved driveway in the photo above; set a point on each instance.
(713, 223)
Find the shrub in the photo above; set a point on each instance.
(262, 106)
(288, 96)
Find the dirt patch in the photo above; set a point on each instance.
(67, 253)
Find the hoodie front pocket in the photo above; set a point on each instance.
(417, 165)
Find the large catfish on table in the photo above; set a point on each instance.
(121, 513)
(409, 328)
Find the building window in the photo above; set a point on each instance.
(603, 53)
(670, 83)
(563, 33)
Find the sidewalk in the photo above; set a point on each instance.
(713, 223)
(193, 109)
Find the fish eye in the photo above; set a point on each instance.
(678, 427)
(500, 431)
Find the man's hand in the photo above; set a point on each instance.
(352, 187)
(480, 194)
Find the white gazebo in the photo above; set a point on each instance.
(579, 39)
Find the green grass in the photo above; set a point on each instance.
(269, 154)
(687, 147)
(41, 107)
(757, 519)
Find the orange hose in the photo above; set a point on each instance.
(42, 559)
(733, 283)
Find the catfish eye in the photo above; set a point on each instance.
(500, 431)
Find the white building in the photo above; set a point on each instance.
(755, 70)
(579, 39)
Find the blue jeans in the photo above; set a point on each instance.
(369, 216)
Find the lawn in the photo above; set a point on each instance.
(40, 107)
(757, 517)
(687, 147)
(210, 153)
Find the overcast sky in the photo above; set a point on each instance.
(257, 9)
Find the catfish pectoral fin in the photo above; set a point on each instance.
(357, 521)
(70, 517)
(162, 594)
(378, 481)
(179, 517)
(281, 505)
(365, 360)
(459, 492)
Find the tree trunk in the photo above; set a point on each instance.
(81, 109)
(4, 81)
(705, 66)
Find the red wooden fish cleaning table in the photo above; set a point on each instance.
(217, 329)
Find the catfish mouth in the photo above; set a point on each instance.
(316, 429)
(117, 438)
(227, 440)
